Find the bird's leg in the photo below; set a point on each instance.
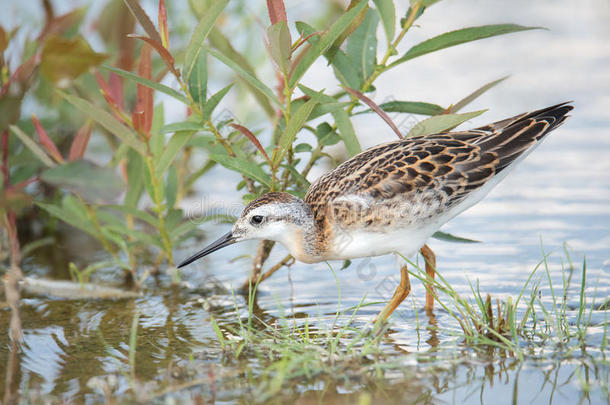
(402, 291)
(430, 259)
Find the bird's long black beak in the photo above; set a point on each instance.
(225, 240)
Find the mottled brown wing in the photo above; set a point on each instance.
(434, 171)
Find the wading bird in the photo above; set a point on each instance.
(392, 197)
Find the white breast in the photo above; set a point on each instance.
(361, 243)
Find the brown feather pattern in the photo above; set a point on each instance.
(431, 173)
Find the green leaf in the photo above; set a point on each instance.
(330, 107)
(135, 185)
(303, 147)
(387, 12)
(447, 237)
(143, 215)
(64, 58)
(182, 126)
(458, 37)
(362, 47)
(157, 141)
(343, 66)
(294, 125)
(246, 75)
(139, 236)
(197, 42)
(148, 83)
(173, 217)
(472, 96)
(171, 191)
(10, 105)
(182, 229)
(198, 80)
(212, 103)
(175, 144)
(318, 48)
(330, 53)
(107, 120)
(92, 182)
(441, 123)
(71, 213)
(297, 176)
(32, 146)
(279, 45)
(244, 167)
(342, 119)
(326, 136)
(411, 107)
(223, 45)
(345, 70)
(348, 134)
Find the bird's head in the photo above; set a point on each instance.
(276, 216)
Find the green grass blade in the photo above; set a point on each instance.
(457, 37)
(581, 301)
(148, 83)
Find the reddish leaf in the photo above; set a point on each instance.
(140, 15)
(144, 106)
(168, 59)
(59, 25)
(162, 16)
(277, 12)
(245, 131)
(47, 142)
(79, 144)
(107, 93)
(23, 73)
(375, 108)
(114, 23)
(137, 117)
(115, 83)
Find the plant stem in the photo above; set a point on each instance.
(159, 209)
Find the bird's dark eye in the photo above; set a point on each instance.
(256, 220)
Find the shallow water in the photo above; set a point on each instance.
(560, 194)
